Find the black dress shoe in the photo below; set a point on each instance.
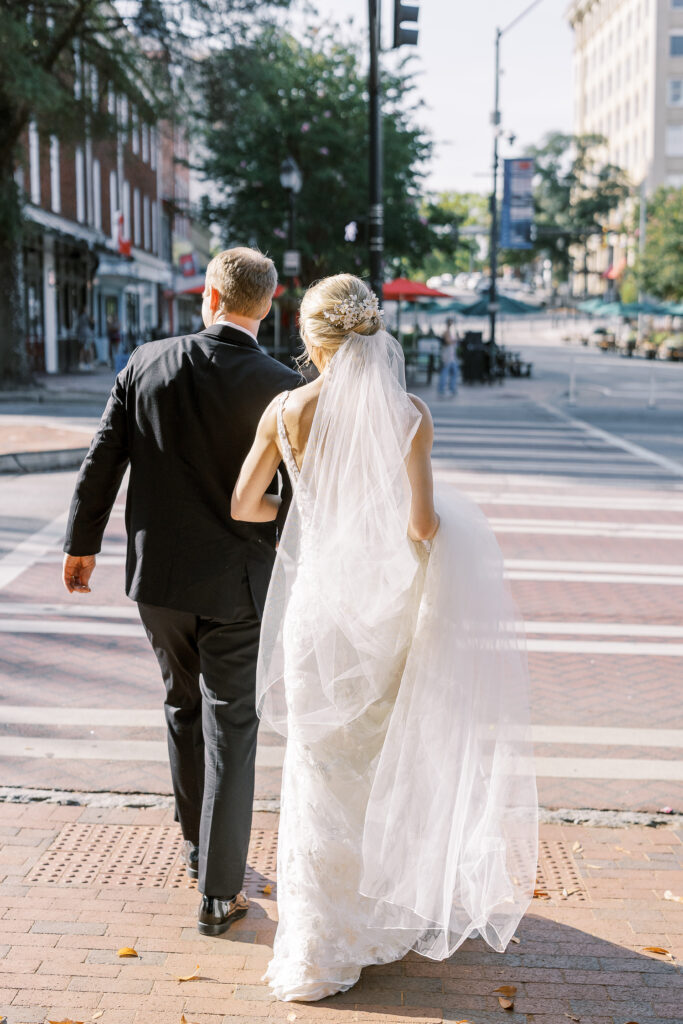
(215, 915)
(191, 858)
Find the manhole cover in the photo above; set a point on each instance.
(137, 855)
(557, 873)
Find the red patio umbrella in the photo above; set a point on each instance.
(403, 290)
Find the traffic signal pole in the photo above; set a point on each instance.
(493, 244)
(376, 213)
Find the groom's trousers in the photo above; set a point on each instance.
(209, 669)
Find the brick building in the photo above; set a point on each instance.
(107, 224)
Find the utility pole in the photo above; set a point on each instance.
(493, 244)
(376, 212)
(495, 120)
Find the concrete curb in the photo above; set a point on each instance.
(42, 462)
(47, 397)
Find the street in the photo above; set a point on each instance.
(585, 493)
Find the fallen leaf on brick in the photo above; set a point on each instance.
(96, 1016)
(189, 977)
(65, 1021)
(666, 810)
(291, 1016)
(506, 990)
(622, 849)
(506, 1004)
(541, 894)
(598, 867)
(657, 949)
(267, 889)
(567, 893)
(577, 847)
(668, 895)
(127, 951)
(571, 1016)
(184, 1020)
(515, 940)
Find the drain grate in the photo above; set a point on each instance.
(137, 855)
(557, 872)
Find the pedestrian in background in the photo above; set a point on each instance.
(448, 376)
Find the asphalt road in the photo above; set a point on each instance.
(586, 499)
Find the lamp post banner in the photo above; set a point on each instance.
(517, 212)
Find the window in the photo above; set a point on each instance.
(134, 133)
(55, 193)
(153, 148)
(113, 203)
(34, 161)
(126, 210)
(144, 135)
(627, 111)
(155, 228)
(676, 92)
(676, 44)
(674, 140)
(137, 233)
(97, 195)
(146, 226)
(80, 185)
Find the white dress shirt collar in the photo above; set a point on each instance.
(237, 327)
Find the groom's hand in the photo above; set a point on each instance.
(76, 572)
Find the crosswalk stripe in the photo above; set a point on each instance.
(273, 757)
(73, 627)
(153, 718)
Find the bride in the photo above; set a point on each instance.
(391, 659)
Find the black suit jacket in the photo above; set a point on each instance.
(183, 413)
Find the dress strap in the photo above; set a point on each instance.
(285, 446)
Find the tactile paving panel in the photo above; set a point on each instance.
(557, 873)
(137, 855)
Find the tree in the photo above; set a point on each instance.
(575, 193)
(660, 268)
(275, 96)
(453, 247)
(58, 59)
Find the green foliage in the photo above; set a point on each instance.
(275, 95)
(574, 195)
(452, 250)
(629, 289)
(660, 268)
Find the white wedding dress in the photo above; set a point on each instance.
(398, 675)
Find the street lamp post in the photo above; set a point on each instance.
(376, 212)
(291, 180)
(495, 120)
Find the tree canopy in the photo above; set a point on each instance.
(276, 95)
(575, 192)
(660, 268)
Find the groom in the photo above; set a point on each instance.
(182, 415)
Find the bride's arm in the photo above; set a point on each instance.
(424, 522)
(250, 502)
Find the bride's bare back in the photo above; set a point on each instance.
(250, 501)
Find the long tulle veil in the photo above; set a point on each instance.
(358, 614)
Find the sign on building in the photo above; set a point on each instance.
(517, 214)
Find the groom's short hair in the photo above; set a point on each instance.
(245, 279)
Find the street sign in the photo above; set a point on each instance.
(517, 213)
(291, 264)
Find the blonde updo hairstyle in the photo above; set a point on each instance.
(321, 334)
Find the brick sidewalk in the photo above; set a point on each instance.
(77, 884)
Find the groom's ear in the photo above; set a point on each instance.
(215, 300)
(270, 306)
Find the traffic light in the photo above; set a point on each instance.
(404, 12)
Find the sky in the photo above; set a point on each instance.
(456, 52)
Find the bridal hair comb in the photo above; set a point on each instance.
(351, 312)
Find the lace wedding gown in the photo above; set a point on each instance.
(409, 813)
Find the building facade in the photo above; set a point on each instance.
(628, 84)
(108, 233)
